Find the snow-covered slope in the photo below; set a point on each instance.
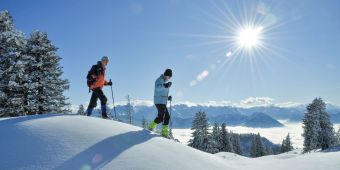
(83, 143)
(293, 160)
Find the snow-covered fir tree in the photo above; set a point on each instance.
(253, 148)
(286, 145)
(215, 139)
(318, 129)
(236, 143)
(257, 147)
(46, 94)
(225, 140)
(200, 134)
(13, 70)
(311, 128)
(81, 110)
(326, 133)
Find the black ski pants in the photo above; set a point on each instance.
(163, 114)
(97, 93)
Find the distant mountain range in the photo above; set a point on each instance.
(262, 116)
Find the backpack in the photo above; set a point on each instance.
(90, 79)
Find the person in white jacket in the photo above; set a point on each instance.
(161, 97)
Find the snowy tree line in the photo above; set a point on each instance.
(318, 129)
(222, 140)
(30, 73)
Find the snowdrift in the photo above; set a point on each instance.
(293, 160)
(73, 142)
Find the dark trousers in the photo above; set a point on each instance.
(163, 114)
(97, 93)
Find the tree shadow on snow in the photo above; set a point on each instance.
(332, 149)
(103, 152)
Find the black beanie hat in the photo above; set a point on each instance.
(168, 72)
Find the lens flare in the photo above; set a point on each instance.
(249, 37)
(97, 158)
(245, 38)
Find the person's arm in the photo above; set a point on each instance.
(108, 83)
(167, 85)
(159, 85)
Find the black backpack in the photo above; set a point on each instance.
(90, 79)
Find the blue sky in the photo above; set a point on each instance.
(298, 60)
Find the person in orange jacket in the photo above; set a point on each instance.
(96, 81)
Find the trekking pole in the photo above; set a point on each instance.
(170, 117)
(113, 100)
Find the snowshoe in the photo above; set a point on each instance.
(105, 117)
(152, 126)
(165, 131)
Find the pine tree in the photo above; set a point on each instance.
(311, 128)
(236, 144)
(253, 148)
(129, 109)
(289, 146)
(225, 143)
(81, 110)
(283, 147)
(286, 145)
(211, 146)
(318, 129)
(200, 134)
(13, 73)
(257, 148)
(326, 133)
(46, 94)
(215, 139)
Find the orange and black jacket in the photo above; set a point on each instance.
(96, 76)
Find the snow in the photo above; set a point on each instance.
(77, 142)
(290, 160)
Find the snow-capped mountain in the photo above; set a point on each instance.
(182, 114)
(261, 120)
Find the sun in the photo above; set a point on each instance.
(249, 37)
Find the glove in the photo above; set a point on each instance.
(167, 85)
(170, 98)
(109, 83)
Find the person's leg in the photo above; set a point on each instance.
(93, 103)
(103, 101)
(160, 115)
(158, 119)
(166, 119)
